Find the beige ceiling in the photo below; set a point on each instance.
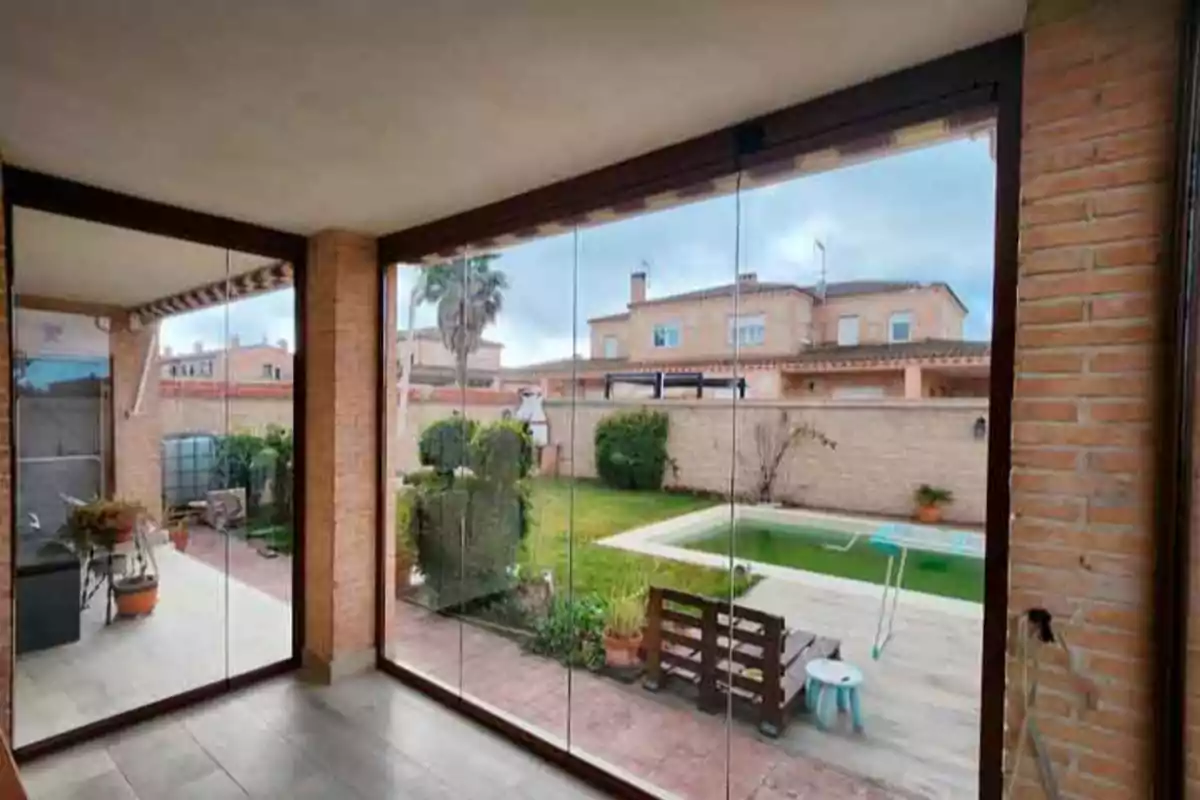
(69, 259)
(375, 115)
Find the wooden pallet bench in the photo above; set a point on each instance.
(729, 650)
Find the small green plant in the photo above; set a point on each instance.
(501, 451)
(572, 632)
(631, 449)
(927, 496)
(445, 445)
(626, 615)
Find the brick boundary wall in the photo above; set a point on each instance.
(1097, 147)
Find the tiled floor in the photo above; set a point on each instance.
(658, 740)
(203, 629)
(365, 738)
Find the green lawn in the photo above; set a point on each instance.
(560, 535)
(805, 548)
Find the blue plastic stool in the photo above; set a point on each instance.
(829, 684)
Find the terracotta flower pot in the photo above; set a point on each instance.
(135, 596)
(622, 651)
(179, 538)
(930, 515)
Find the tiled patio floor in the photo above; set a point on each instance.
(658, 739)
(204, 628)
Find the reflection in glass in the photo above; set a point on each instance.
(154, 471)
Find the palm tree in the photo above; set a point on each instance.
(469, 297)
(449, 284)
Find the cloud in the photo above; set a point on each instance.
(924, 215)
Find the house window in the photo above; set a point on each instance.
(751, 330)
(900, 327)
(847, 333)
(174, 370)
(207, 368)
(610, 347)
(666, 335)
(268, 371)
(191, 370)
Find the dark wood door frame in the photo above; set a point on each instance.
(37, 191)
(983, 80)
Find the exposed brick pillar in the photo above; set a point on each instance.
(137, 424)
(341, 426)
(1097, 145)
(7, 650)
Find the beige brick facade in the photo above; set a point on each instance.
(1097, 144)
(137, 424)
(342, 426)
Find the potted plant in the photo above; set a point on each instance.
(929, 500)
(179, 534)
(624, 621)
(103, 523)
(136, 594)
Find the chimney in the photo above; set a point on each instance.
(197, 346)
(167, 351)
(748, 277)
(235, 342)
(637, 288)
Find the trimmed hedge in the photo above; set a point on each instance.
(468, 534)
(467, 528)
(631, 449)
(502, 452)
(445, 445)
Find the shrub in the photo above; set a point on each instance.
(926, 495)
(445, 445)
(467, 534)
(631, 449)
(572, 633)
(502, 452)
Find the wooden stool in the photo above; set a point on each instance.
(828, 683)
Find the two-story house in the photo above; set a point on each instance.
(262, 362)
(851, 339)
(433, 364)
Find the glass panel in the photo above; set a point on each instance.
(109, 616)
(862, 468)
(431, 437)
(650, 462)
(516, 613)
(255, 486)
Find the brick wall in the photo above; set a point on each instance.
(1096, 151)
(229, 415)
(137, 430)
(342, 427)
(890, 447)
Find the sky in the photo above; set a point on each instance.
(924, 215)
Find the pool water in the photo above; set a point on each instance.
(808, 548)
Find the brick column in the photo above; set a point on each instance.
(1097, 146)
(341, 427)
(7, 650)
(137, 425)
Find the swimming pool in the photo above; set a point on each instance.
(950, 571)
